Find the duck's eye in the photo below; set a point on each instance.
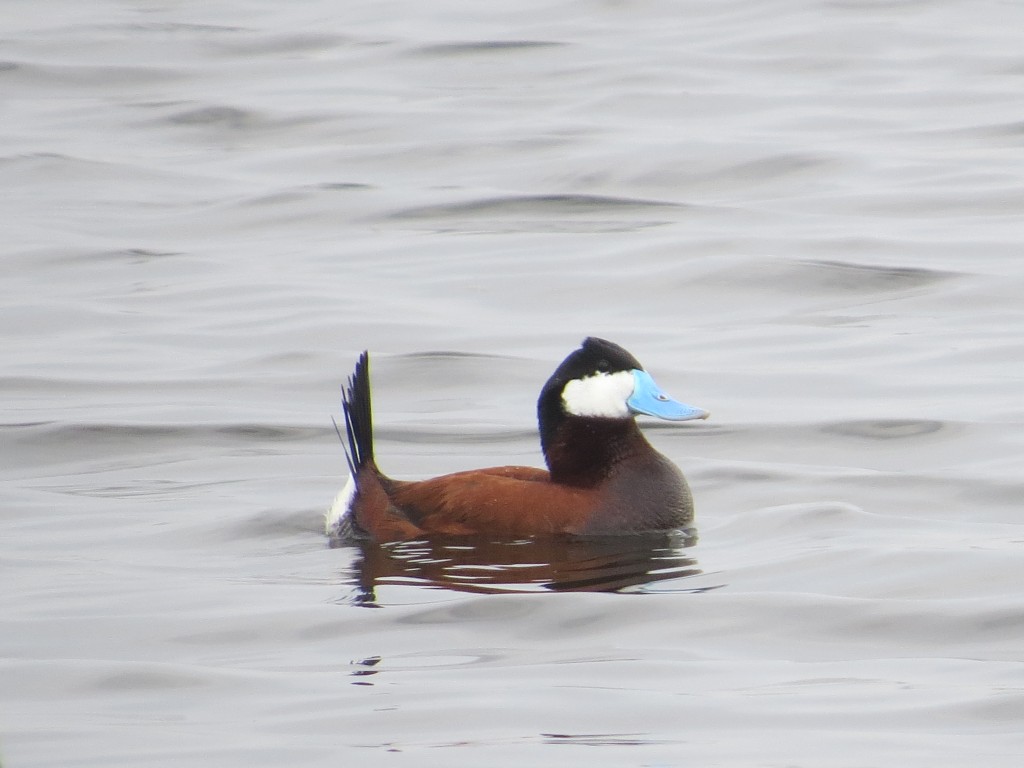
(602, 366)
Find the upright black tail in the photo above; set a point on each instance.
(355, 402)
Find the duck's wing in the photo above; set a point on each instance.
(499, 501)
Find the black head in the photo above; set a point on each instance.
(586, 413)
(594, 357)
(597, 390)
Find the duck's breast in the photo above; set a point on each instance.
(646, 493)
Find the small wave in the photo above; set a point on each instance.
(825, 277)
(544, 213)
(484, 47)
(76, 76)
(230, 117)
(885, 429)
(55, 439)
(538, 205)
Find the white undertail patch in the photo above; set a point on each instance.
(340, 509)
(603, 395)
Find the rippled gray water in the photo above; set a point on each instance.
(803, 216)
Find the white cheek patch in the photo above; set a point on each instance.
(603, 395)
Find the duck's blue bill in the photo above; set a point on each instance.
(651, 401)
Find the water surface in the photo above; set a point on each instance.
(802, 216)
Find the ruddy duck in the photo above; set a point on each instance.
(603, 476)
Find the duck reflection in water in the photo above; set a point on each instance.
(591, 564)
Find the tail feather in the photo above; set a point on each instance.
(340, 521)
(355, 402)
(364, 509)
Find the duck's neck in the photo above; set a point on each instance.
(583, 451)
